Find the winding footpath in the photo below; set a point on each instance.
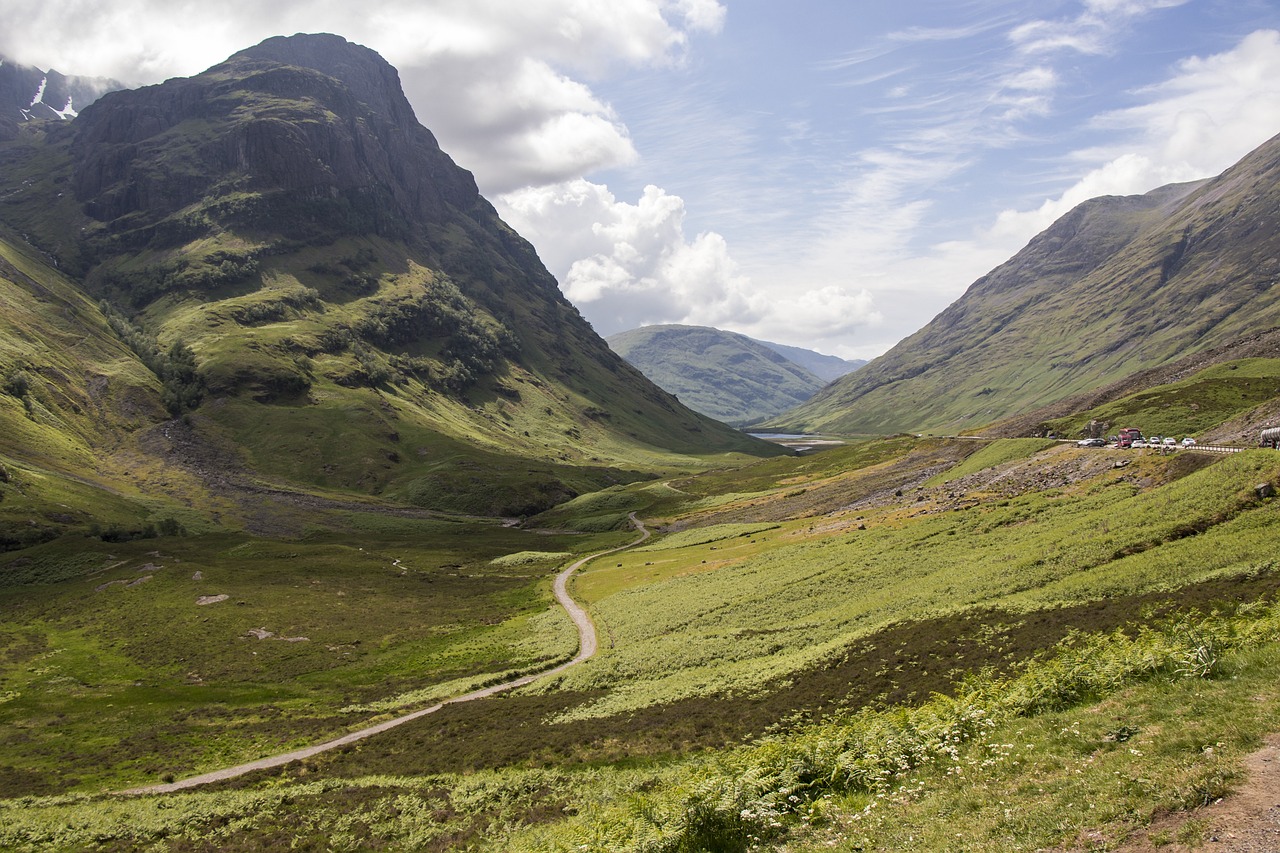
(587, 645)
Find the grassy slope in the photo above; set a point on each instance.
(74, 395)
(731, 616)
(768, 596)
(1116, 286)
(722, 374)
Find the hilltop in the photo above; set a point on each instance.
(1118, 285)
(727, 375)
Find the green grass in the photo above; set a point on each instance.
(1099, 737)
(729, 621)
(1109, 731)
(705, 535)
(115, 673)
(1189, 407)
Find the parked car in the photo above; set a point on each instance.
(1091, 442)
(1138, 445)
(1188, 442)
(1171, 441)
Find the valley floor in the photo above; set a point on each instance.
(848, 650)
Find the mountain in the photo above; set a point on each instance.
(731, 377)
(1117, 285)
(268, 276)
(28, 93)
(825, 367)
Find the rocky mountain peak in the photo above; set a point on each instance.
(368, 76)
(28, 93)
(308, 134)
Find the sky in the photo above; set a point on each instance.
(828, 174)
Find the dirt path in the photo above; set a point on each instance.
(587, 645)
(1246, 821)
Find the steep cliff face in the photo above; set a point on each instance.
(294, 243)
(29, 94)
(1116, 286)
(302, 152)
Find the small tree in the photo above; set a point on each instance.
(17, 383)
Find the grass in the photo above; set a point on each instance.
(112, 667)
(1095, 775)
(1093, 738)
(1189, 407)
(1091, 742)
(705, 535)
(729, 620)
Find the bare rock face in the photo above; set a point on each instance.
(307, 135)
(29, 94)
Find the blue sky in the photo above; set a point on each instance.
(823, 173)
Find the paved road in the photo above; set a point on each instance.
(587, 646)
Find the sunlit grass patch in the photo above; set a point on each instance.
(704, 535)
(1095, 738)
(526, 558)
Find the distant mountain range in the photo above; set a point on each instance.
(1116, 286)
(28, 93)
(825, 367)
(729, 376)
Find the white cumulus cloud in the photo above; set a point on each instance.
(1208, 115)
(626, 265)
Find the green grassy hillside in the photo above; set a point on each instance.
(73, 398)
(806, 609)
(725, 375)
(386, 336)
(1116, 286)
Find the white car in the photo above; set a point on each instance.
(1138, 445)
(1171, 441)
(1188, 442)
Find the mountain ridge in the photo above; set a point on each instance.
(1117, 285)
(726, 375)
(28, 93)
